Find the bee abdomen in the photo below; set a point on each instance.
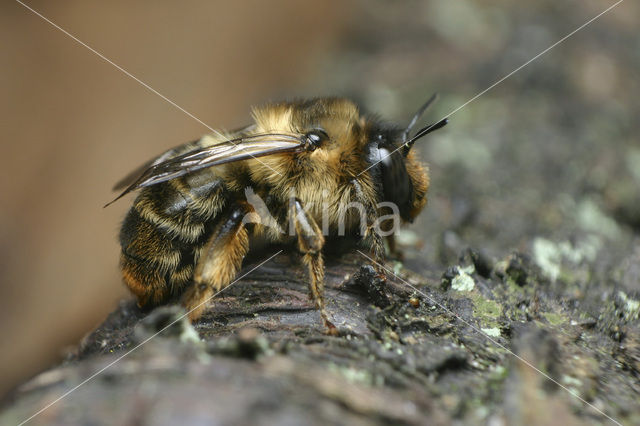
(181, 209)
(149, 257)
(161, 237)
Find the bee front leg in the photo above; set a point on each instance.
(392, 246)
(219, 261)
(371, 237)
(376, 245)
(310, 243)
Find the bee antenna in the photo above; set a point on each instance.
(422, 132)
(418, 114)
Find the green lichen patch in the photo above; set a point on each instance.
(459, 278)
(462, 282)
(554, 319)
(631, 307)
(486, 311)
(566, 261)
(493, 332)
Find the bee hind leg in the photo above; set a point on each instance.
(219, 261)
(310, 243)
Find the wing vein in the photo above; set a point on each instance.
(167, 167)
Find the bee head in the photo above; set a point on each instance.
(340, 141)
(390, 170)
(401, 178)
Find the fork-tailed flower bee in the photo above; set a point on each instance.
(186, 235)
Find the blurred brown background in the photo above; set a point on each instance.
(73, 124)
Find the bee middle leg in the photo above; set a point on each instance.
(310, 243)
(219, 262)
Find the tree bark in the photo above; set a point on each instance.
(437, 353)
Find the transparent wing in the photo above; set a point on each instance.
(135, 174)
(169, 166)
(173, 152)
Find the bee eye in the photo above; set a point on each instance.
(315, 138)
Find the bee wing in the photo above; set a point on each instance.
(135, 174)
(170, 153)
(169, 166)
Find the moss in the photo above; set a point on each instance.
(438, 321)
(486, 311)
(553, 318)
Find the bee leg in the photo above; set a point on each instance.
(310, 243)
(219, 262)
(392, 247)
(371, 238)
(376, 244)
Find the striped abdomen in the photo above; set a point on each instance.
(163, 233)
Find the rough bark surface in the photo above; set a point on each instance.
(435, 354)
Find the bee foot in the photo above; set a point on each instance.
(331, 330)
(195, 301)
(380, 273)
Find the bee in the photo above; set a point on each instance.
(188, 231)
